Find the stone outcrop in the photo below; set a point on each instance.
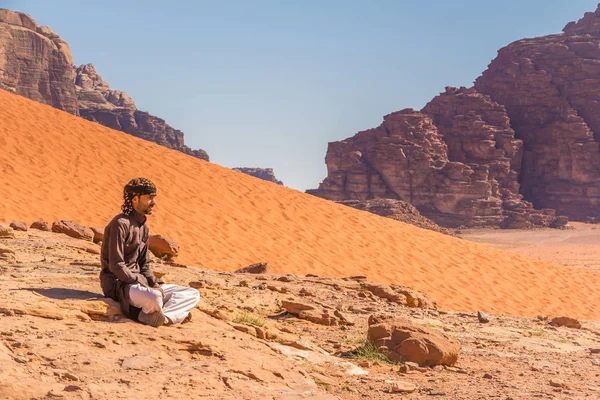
(18, 226)
(258, 268)
(73, 229)
(526, 136)
(115, 109)
(40, 225)
(407, 158)
(6, 232)
(398, 210)
(550, 87)
(163, 247)
(401, 340)
(265, 174)
(36, 63)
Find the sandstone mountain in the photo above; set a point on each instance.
(36, 63)
(55, 166)
(516, 150)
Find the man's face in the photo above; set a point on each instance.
(144, 203)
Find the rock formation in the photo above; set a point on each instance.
(471, 182)
(265, 174)
(115, 109)
(526, 135)
(550, 87)
(36, 63)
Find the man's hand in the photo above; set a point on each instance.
(157, 286)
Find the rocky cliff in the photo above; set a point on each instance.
(453, 161)
(115, 109)
(526, 135)
(265, 174)
(550, 87)
(36, 63)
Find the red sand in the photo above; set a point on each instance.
(57, 166)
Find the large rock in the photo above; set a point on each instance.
(400, 294)
(407, 158)
(6, 232)
(73, 229)
(40, 225)
(35, 62)
(550, 87)
(401, 340)
(258, 268)
(98, 234)
(19, 226)
(163, 247)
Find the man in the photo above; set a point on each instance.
(126, 273)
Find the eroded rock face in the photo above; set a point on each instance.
(265, 174)
(407, 158)
(528, 131)
(550, 87)
(115, 109)
(35, 62)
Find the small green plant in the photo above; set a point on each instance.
(369, 351)
(247, 318)
(354, 340)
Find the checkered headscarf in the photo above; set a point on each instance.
(136, 187)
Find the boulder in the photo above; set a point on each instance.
(6, 232)
(163, 247)
(400, 294)
(40, 225)
(19, 226)
(401, 340)
(98, 234)
(73, 229)
(566, 321)
(258, 268)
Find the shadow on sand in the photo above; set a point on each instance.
(65, 293)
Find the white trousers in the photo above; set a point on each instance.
(178, 302)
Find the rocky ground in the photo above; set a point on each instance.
(60, 339)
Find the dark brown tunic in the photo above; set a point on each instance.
(125, 259)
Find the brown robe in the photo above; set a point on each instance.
(125, 259)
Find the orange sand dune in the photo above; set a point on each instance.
(57, 166)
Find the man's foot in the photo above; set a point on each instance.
(155, 319)
(187, 319)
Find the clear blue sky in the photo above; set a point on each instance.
(268, 83)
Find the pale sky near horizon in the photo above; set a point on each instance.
(269, 83)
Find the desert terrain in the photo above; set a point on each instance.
(56, 166)
(59, 338)
(578, 248)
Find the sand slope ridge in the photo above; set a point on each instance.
(57, 166)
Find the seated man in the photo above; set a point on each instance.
(126, 274)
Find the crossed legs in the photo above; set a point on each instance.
(177, 304)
